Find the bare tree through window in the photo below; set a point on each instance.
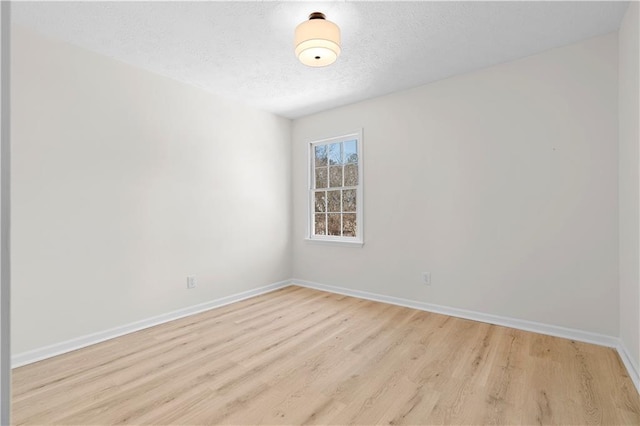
(336, 188)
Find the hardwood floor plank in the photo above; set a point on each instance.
(301, 356)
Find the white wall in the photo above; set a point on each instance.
(5, 353)
(501, 182)
(125, 182)
(628, 90)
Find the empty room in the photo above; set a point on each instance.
(320, 213)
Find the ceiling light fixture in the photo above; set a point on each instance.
(317, 41)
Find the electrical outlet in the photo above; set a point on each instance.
(191, 282)
(426, 278)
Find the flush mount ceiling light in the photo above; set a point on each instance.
(317, 41)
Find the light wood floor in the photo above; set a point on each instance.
(304, 356)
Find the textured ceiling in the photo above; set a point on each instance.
(244, 50)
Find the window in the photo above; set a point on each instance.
(335, 190)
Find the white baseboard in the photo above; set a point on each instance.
(29, 357)
(536, 327)
(630, 363)
(552, 330)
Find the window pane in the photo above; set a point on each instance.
(333, 204)
(321, 224)
(335, 184)
(321, 177)
(321, 155)
(351, 152)
(335, 176)
(335, 153)
(349, 200)
(321, 201)
(349, 224)
(351, 175)
(334, 224)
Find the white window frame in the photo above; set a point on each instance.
(358, 240)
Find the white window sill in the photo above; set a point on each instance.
(335, 242)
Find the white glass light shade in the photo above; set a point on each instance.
(317, 41)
